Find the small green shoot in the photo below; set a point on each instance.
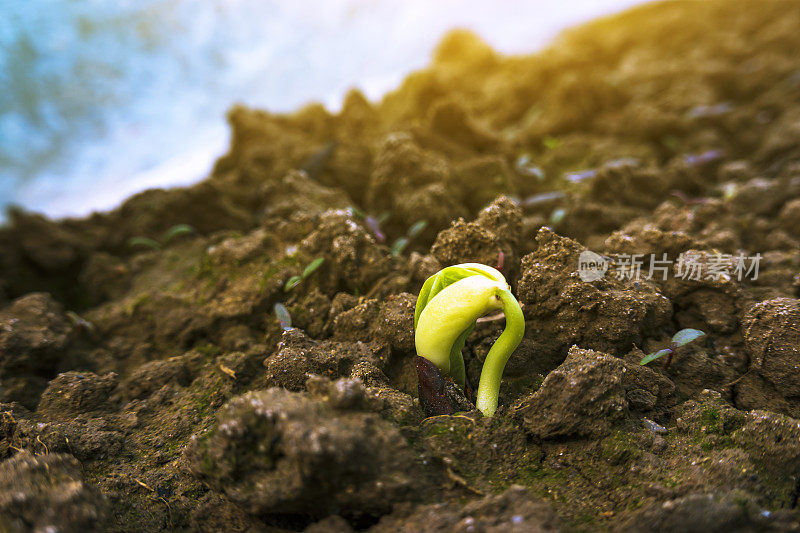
(373, 223)
(558, 216)
(448, 306)
(551, 143)
(729, 191)
(283, 316)
(401, 243)
(312, 267)
(177, 231)
(384, 217)
(169, 235)
(291, 283)
(294, 281)
(681, 338)
(417, 228)
(656, 355)
(145, 242)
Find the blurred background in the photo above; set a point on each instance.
(100, 99)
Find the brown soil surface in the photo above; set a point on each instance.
(150, 385)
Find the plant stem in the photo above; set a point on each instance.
(489, 386)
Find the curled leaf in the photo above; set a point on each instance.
(446, 277)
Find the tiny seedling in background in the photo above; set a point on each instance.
(401, 243)
(682, 338)
(144, 242)
(551, 143)
(374, 223)
(283, 316)
(169, 235)
(177, 231)
(312, 267)
(558, 216)
(526, 167)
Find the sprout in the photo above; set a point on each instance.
(449, 304)
(283, 316)
(551, 143)
(147, 242)
(169, 235)
(401, 243)
(294, 281)
(558, 216)
(312, 267)
(682, 338)
(176, 231)
(374, 223)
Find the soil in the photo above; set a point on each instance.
(150, 385)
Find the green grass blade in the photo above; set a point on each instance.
(144, 241)
(177, 231)
(312, 267)
(649, 358)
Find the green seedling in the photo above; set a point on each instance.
(169, 235)
(374, 223)
(557, 217)
(283, 316)
(551, 143)
(449, 304)
(177, 231)
(144, 242)
(682, 338)
(401, 243)
(294, 281)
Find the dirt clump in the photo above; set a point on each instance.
(41, 493)
(492, 239)
(708, 512)
(583, 397)
(513, 510)
(276, 451)
(607, 314)
(34, 334)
